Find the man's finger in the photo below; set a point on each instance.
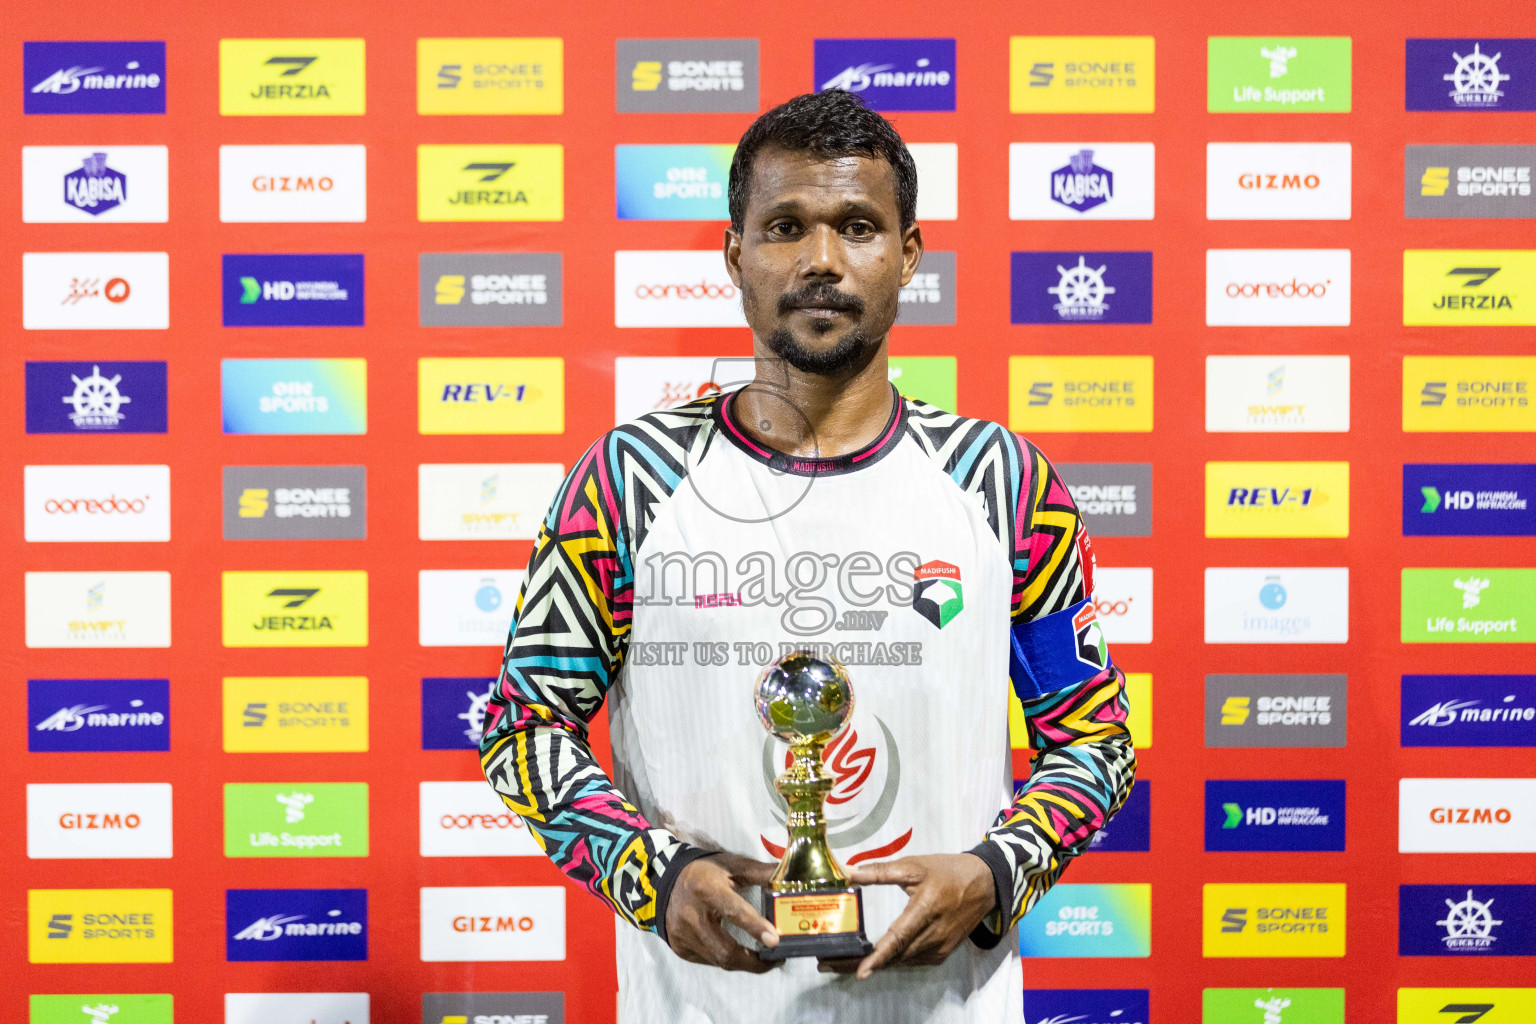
(731, 907)
(842, 965)
(895, 941)
(744, 870)
(889, 872)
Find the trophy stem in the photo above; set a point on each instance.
(808, 862)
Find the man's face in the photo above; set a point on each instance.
(821, 257)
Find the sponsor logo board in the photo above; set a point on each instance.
(1087, 1006)
(1469, 500)
(295, 77)
(1077, 920)
(1080, 180)
(1277, 180)
(295, 609)
(656, 76)
(1468, 181)
(1277, 287)
(100, 291)
(1071, 394)
(492, 923)
(296, 290)
(97, 503)
(298, 819)
(1466, 920)
(296, 1008)
(1465, 1005)
(1460, 287)
(1466, 816)
(486, 289)
(643, 384)
(98, 609)
(1468, 393)
(510, 395)
(94, 184)
(1301, 74)
(96, 77)
(490, 76)
(493, 1007)
(1274, 815)
(99, 926)
(294, 396)
(268, 925)
(466, 819)
(674, 288)
(1460, 606)
(490, 183)
(1272, 1005)
(295, 714)
(98, 820)
(1468, 711)
(100, 1008)
(1276, 710)
(453, 711)
(1470, 75)
(78, 715)
(672, 182)
(295, 502)
(1276, 394)
(938, 168)
(889, 74)
(930, 379)
(1114, 498)
(1277, 605)
(1277, 499)
(96, 397)
(293, 184)
(1122, 600)
(929, 298)
(1130, 831)
(466, 607)
(485, 501)
(1281, 919)
(1081, 288)
(1081, 74)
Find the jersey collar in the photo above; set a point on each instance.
(801, 465)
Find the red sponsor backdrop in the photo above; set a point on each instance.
(199, 873)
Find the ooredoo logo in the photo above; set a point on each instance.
(1122, 600)
(97, 503)
(493, 923)
(465, 819)
(674, 288)
(1277, 287)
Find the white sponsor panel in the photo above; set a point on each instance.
(94, 184)
(1466, 816)
(467, 607)
(467, 819)
(674, 288)
(504, 922)
(69, 291)
(98, 820)
(98, 609)
(643, 384)
(1080, 180)
(296, 1008)
(1123, 600)
(1277, 180)
(938, 179)
(1277, 606)
(97, 503)
(484, 500)
(1277, 287)
(293, 184)
(1276, 394)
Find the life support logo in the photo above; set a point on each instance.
(936, 592)
(866, 772)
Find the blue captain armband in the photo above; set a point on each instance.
(1056, 651)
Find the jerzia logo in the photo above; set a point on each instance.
(291, 76)
(520, 182)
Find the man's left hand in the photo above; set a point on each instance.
(949, 895)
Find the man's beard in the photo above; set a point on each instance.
(850, 352)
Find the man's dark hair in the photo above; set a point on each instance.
(829, 124)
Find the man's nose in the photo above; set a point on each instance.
(823, 253)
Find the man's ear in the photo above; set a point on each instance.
(911, 253)
(732, 250)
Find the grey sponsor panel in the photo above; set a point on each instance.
(1469, 181)
(490, 289)
(1276, 710)
(295, 502)
(493, 1007)
(930, 298)
(691, 76)
(1115, 498)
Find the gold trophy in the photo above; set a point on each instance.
(805, 701)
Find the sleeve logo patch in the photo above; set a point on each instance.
(1091, 647)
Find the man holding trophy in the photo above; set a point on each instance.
(851, 570)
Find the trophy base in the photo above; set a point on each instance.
(827, 924)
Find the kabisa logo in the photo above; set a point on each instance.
(1471, 74)
(453, 711)
(1466, 605)
(1256, 73)
(1081, 181)
(1477, 500)
(490, 289)
(286, 715)
(1274, 815)
(489, 76)
(1469, 286)
(265, 925)
(291, 76)
(890, 74)
(319, 819)
(1089, 921)
(94, 184)
(490, 183)
(1079, 287)
(1272, 1006)
(94, 77)
(295, 396)
(1466, 920)
(1468, 711)
(686, 75)
(93, 397)
(1087, 1006)
(69, 715)
(1278, 920)
(298, 290)
(1468, 181)
(295, 502)
(95, 187)
(493, 1008)
(1275, 710)
(1081, 74)
(1082, 185)
(936, 592)
(99, 926)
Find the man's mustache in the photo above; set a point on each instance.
(824, 296)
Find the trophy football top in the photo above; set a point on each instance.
(801, 697)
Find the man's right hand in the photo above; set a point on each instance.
(704, 898)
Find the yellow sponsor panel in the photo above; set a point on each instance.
(1458, 394)
(490, 182)
(1448, 1005)
(1081, 74)
(296, 609)
(1462, 287)
(489, 76)
(1070, 394)
(512, 395)
(293, 77)
(1138, 693)
(99, 926)
(1277, 499)
(295, 714)
(1281, 919)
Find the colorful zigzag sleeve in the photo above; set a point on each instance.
(1084, 765)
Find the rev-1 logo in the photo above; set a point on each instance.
(484, 393)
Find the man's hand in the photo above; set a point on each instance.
(704, 897)
(949, 895)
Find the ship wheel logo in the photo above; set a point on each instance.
(1476, 79)
(96, 400)
(1469, 924)
(1081, 291)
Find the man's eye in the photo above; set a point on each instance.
(859, 228)
(783, 227)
